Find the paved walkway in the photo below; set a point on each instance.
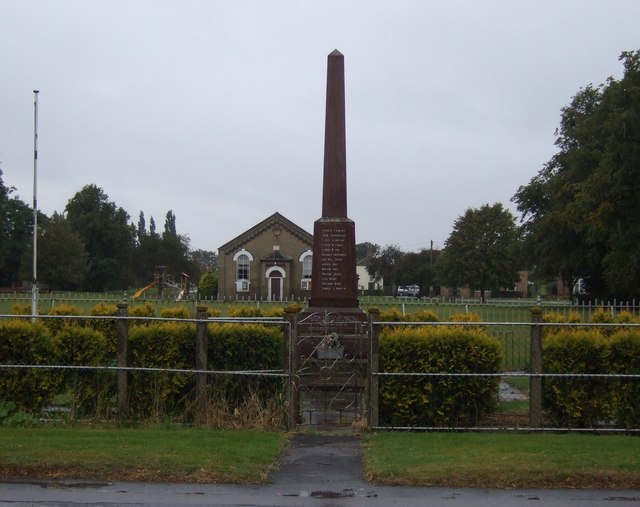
(319, 471)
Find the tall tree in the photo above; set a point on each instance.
(366, 249)
(142, 226)
(16, 233)
(577, 210)
(482, 252)
(104, 229)
(205, 260)
(62, 259)
(383, 265)
(170, 223)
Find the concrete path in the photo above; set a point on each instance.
(318, 470)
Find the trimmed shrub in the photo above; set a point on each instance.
(107, 327)
(234, 347)
(55, 325)
(465, 317)
(91, 392)
(21, 309)
(391, 315)
(168, 345)
(177, 312)
(424, 316)
(145, 309)
(580, 401)
(624, 358)
(23, 342)
(437, 401)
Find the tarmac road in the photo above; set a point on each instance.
(318, 470)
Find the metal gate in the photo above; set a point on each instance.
(331, 364)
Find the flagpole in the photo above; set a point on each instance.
(34, 286)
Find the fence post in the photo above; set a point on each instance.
(290, 367)
(535, 382)
(374, 363)
(202, 344)
(122, 352)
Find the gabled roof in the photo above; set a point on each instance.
(266, 224)
(276, 256)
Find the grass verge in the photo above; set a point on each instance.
(503, 460)
(146, 454)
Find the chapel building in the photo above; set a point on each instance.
(270, 262)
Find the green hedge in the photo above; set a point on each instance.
(91, 393)
(578, 401)
(590, 402)
(437, 401)
(22, 342)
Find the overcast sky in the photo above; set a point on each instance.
(215, 110)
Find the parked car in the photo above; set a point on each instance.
(408, 291)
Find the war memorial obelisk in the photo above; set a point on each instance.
(334, 285)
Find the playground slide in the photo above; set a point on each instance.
(142, 291)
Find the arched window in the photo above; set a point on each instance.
(243, 270)
(307, 261)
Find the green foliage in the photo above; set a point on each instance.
(16, 231)
(167, 345)
(63, 262)
(394, 315)
(145, 309)
(465, 317)
(602, 316)
(576, 210)
(238, 347)
(91, 392)
(108, 327)
(20, 309)
(10, 416)
(579, 401)
(104, 229)
(213, 312)
(178, 312)
(482, 252)
(437, 401)
(26, 343)
(55, 325)
(254, 311)
(424, 316)
(208, 285)
(624, 358)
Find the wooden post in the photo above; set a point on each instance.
(374, 366)
(122, 352)
(202, 344)
(535, 383)
(290, 368)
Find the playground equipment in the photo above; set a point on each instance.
(163, 280)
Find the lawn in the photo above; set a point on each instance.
(146, 454)
(503, 460)
(179, 454)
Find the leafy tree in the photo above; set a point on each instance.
(62, 259)
(577, 211)
(208, 285)
(383, 265)
(205, 260)
(109, 240)
(170, 223)
(366, 249)
(482, 252)
(142, 226)
(417, 268)
(19, 238)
